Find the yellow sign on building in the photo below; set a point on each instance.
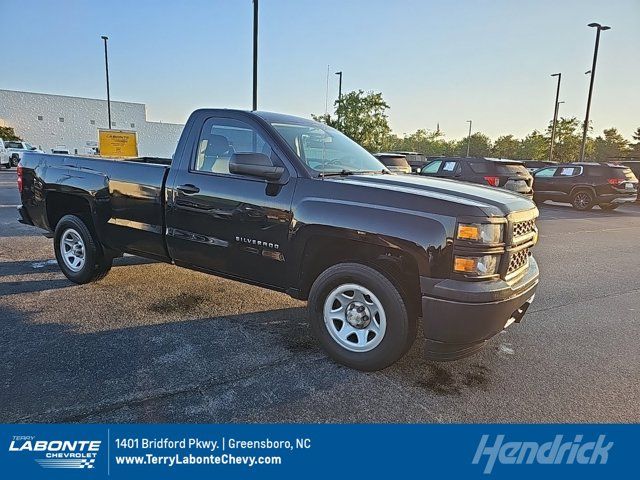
(117, 143)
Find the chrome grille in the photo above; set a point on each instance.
(526, 227)
(518, 260)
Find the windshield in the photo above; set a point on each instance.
(326, 150)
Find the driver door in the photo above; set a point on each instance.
(233, 224)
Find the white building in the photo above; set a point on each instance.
(50, 120)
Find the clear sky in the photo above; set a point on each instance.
(434, 60)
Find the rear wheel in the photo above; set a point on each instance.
(582, 200)
(79, 254)
(359, 317)
(609, 206)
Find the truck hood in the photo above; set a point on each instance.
(491, 200)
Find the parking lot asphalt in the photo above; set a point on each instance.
(156, 343)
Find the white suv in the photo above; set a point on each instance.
(4, 156)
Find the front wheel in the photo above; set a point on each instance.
(359, 317)
(79, 254)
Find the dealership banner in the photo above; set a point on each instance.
(317, 451)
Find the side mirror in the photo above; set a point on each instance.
(255, 165)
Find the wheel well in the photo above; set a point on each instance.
(579, 188)
(398, 266)
(61, 204)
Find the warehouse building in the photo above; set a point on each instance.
(49, 121)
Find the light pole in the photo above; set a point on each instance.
(106, 66)
(255, 54)
(599, 28)
(469, 138)
(555, 116)
(339, 93)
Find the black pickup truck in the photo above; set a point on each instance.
(295, 206)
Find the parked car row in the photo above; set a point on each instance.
(581, 184)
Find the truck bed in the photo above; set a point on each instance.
(127, 196)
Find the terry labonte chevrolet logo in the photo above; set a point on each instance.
(57, 453)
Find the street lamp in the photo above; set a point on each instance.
(469, 138)
(599, 28)
(255, 55)
(339, 92)
(106, 66)
(555, 116)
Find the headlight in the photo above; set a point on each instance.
(477, 266)
(480, 232)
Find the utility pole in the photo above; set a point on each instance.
(255, 55)
(339, 93)
(555, 116)
(469, 138)
(585, 127)
(106, 65)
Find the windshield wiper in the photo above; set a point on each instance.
(344, 172)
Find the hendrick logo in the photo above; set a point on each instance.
(554, 452)
(58, 453)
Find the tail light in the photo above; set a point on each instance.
(19, 172)
(493, 181)
(616, 181)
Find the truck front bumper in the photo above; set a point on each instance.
(459, 317)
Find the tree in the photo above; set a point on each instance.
(430, 143)
(534, 146)
(7, 133)
(480, 146)
(568, 140)
(635, 150)
(610, 146)
(362, 117)
(506, 146)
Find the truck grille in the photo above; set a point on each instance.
(518, 260)
(520, 229)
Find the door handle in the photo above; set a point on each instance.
(188, 189)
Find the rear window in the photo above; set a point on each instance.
(394, 161)
(611, 172)
(510, 168)
(625, 173)
(479, 167)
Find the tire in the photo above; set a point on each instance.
(85, 261)
(8, 165)
(582, 200)
(353, 286)
(609, 206)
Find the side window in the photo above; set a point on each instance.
(568, 171)
(433, 167)
(546, 172)
(450, 168)
(222, 137)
